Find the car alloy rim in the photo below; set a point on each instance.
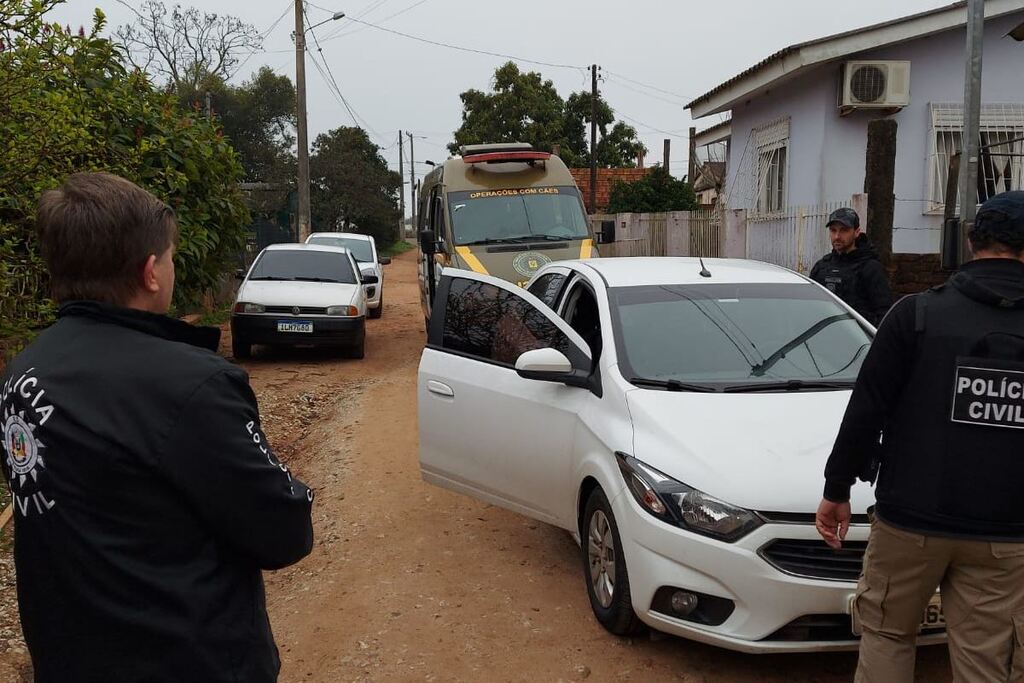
(601, 555)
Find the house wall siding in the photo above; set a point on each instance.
(827, 151)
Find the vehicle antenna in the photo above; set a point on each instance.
(704, 272)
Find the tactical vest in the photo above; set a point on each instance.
(953, 452)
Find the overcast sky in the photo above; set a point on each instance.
(678, 49)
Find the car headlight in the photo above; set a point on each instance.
(243, 307)
(683, 506)
(348, 311)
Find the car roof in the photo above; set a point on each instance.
(346, 235)
(299, 246)
(662, 270)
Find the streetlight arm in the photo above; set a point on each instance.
(335, 17)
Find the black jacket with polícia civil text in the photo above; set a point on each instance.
(147, 501)
(939, 401)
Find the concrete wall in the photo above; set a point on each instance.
(827, 152)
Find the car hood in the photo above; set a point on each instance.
(764, 452)
(278, 293)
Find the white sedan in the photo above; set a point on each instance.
(301, 294)
(675, 420)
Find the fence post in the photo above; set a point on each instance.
(678, 237)
(859, 202)
(734, 234)
(801, 235)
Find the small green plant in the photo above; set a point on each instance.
(216, 317)
(397, 248)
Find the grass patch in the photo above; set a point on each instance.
(216, 318)
(397, 248)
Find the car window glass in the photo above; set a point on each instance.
(582, 315)
(736, 333)
(495, 324)
(361, 250)
(302, 265)
(547, 288)
(524, 213)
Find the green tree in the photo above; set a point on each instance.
(658, 191)
(523, 107)
(353, 188)
(68, 103)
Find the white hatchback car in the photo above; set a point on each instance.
(364, 251)
(675, 420)
(301, 294)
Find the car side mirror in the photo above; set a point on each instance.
(240, 274)
(369, 279)
(549, 365)
(428, 242)
(384, 260)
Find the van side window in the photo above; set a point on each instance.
(547, 288)
(496, 325)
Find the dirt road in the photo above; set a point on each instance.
(411, 583)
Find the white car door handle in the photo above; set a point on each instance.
(440, 389)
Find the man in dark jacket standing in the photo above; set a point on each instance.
(940, 404)
(852, 271)
(146, 497)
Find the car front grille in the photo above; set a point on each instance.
(815, 560)
(303, 310)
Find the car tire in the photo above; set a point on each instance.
(379, 311)
(604, 568)
(240, 349)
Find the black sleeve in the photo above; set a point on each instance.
(219, 458)
(877, 294)
(816, 273)
(879, 385)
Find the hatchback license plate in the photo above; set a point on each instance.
(301, 326)
(931, 619)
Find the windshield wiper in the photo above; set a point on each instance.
(760, 370)
(672, 385)
(492, 240)
(319, 279)
(272, 277)
(788, 385)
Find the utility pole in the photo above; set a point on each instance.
(412, 181)
(303, 140)
(668, 155)
(972, 122)
(401, 193)
(691, 166)
(593, 138)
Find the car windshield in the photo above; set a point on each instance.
(736, 337)
(533, 213)
(304, 265)
(361, 250)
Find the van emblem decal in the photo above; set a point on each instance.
(529, 262)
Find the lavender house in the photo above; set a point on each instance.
(799, 119)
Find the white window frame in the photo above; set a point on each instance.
(771, 141)
(1002, 122)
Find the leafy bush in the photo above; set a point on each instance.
(67, 104)
(657, 192)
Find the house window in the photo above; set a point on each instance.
(772, 144)
(1001, 158)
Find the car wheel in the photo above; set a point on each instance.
(240, 349)
(379, 311)
(604, 568)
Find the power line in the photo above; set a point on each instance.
(676, 103)
(651, 87)
(341, 32)
(262, 36)
(646, 125)
(465, 49)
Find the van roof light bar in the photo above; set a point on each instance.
(505, 157)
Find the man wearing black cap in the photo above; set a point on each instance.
(939, 405)
(852, 271)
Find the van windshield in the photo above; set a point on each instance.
(517, 215)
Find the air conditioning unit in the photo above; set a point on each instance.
(874, 85)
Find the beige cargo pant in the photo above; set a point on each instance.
(982, 586)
